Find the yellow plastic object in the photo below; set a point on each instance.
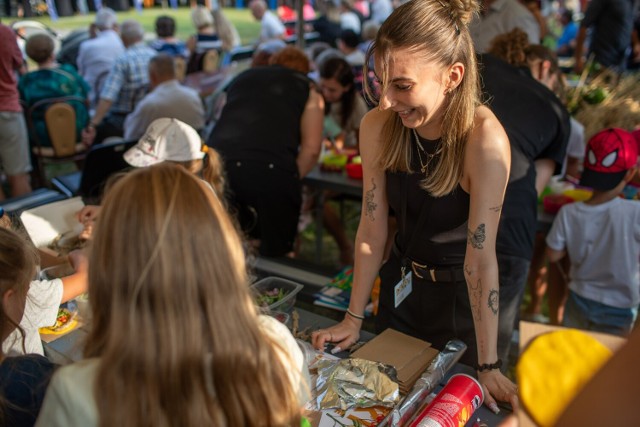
(553, 369)
(67, 327)
(578, 194)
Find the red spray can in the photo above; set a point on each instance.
(454, 405)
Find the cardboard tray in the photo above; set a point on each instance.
(45, 223)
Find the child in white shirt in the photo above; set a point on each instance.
(601, 236)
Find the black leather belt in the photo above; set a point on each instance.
(424, 272)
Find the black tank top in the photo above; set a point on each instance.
(261, 119)
(442, 239)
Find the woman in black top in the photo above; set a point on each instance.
(441, 160)
(269, 136)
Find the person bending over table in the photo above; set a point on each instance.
(269, 135)
(440, 160)
(175, 340)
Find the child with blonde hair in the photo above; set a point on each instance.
(23, 379)
(176, 338)
(43, 300)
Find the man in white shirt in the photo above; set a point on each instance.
(271, 27)
(500, 17)
(168, 98)
(96, 56)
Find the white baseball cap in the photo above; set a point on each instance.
(165, 140)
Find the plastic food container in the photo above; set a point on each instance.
(578, 194)
(282, 317)
(286, 303)
(354, 170)
(553, 202)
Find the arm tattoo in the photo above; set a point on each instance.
(493, 299)
(496, 208)
(370, 205)
(467, 270)
(475, 296)
(476, 238)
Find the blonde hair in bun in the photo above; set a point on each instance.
(439, 34)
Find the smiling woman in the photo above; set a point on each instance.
(440, 161)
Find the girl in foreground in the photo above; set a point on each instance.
(440, 160)
(176, 338)
(23, 379)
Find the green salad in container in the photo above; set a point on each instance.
(269, 297)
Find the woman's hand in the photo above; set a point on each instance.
(343, 335)
(498, 387)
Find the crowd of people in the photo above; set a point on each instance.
(457, 110)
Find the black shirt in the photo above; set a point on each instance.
(261, 118)
(538, 127)
(23, 383)
(612, 24)
(442, 239)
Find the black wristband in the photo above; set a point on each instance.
(489, 366)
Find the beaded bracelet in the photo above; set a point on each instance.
(355, 316)
(489, 366)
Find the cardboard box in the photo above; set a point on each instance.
(44, 223)
(530, 330)
(410, 356)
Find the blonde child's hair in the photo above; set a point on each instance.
(174, 324)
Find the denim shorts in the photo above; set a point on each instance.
(584, 313)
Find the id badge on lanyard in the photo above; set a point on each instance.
(404, 287)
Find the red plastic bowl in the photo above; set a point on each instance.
(354, 170)
(553, 202)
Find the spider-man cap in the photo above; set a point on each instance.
(610, 154)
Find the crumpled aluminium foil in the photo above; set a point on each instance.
(428, 381)
(350, 383)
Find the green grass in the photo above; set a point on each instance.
(248, 28)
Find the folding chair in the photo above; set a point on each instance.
(59, 116)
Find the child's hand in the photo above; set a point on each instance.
(88, 213)
(78, 260)
(87, 216)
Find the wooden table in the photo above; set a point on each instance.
(314, 321)
(67, 349)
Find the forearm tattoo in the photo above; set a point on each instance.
(493, 300)
(468, 271)
(370, 205)
(496, 208)
(476, 238)
(475, 298)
